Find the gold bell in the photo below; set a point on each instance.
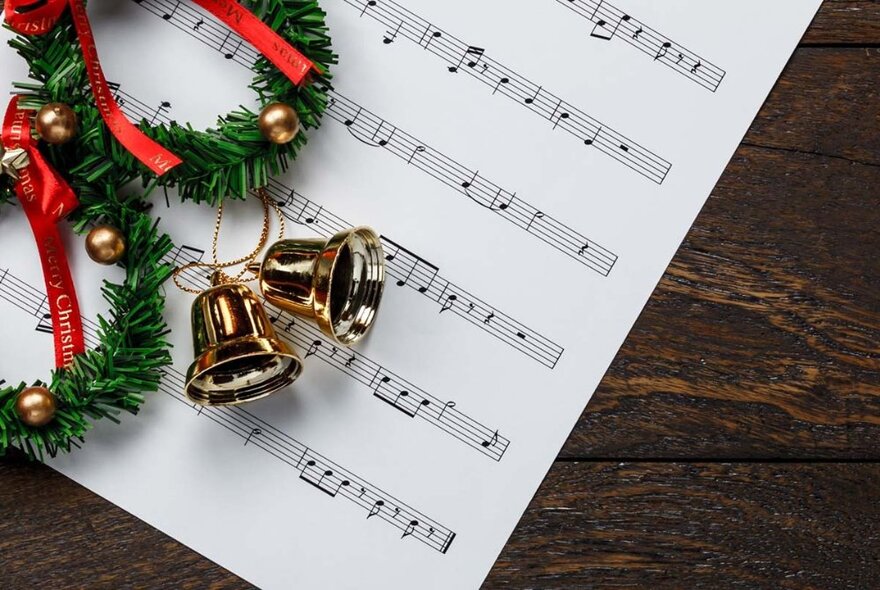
(338, 282)
(238, 356)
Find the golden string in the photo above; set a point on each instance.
(217, 266)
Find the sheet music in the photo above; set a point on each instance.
(532, 167)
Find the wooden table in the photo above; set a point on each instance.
(735, 440)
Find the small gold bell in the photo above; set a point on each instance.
(338, 282)
(238, 356)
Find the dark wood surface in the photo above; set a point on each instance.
(735, 441)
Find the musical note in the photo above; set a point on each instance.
(254, 432)
(501, 81)
(418, 270)
(419, 149)
(664, 49)
(389, 37)
(429, 36)
(163, 107)
(170, 15)
(558, 115)
(408, 269)
(450, 302)
(609, 22)
(446, 406)
(492, 442)
(322, 479)
(44, 325)
(378, 133)
(230, 53)
(477, 52)
(312, 468)
(313, 348)
(535, 216)
(602, 30)
(410, 528)
(534, 97)
(376, 509)
(479, 190)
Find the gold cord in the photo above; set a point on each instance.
(218, 266)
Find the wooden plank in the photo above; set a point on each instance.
(854, 22)
(593, 525)
(54, 533)
(763, 339)
(826, 103)
(712, 526)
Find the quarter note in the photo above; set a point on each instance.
(428, 36)
(532, 99)
(501, 81)
(389, 37)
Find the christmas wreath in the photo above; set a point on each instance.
(87, 153)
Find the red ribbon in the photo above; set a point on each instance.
(46, 199)
(38, 17)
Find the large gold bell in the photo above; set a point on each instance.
(238, 356)
(338, 282)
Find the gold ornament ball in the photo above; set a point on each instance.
(279, 123)
(56, 123)
(35, 406)
(105, 244)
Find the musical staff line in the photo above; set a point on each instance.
(376, 132)
(314, 468)
(386, 386)
(610, 23)
(473, 60)
(364, 126)
(405, 267)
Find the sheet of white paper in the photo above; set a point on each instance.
(532, 165)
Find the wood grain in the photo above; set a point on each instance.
(698, 526)
(593, 525)
(845, 22)
(763, 339)
(762, 343)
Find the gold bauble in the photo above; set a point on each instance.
(279, 123)
(105, 244)
(35, 406)
(56, 123)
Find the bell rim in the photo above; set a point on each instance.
(259, 346)
(322, 284)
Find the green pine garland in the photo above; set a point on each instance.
(227, 161)
(132, 351)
